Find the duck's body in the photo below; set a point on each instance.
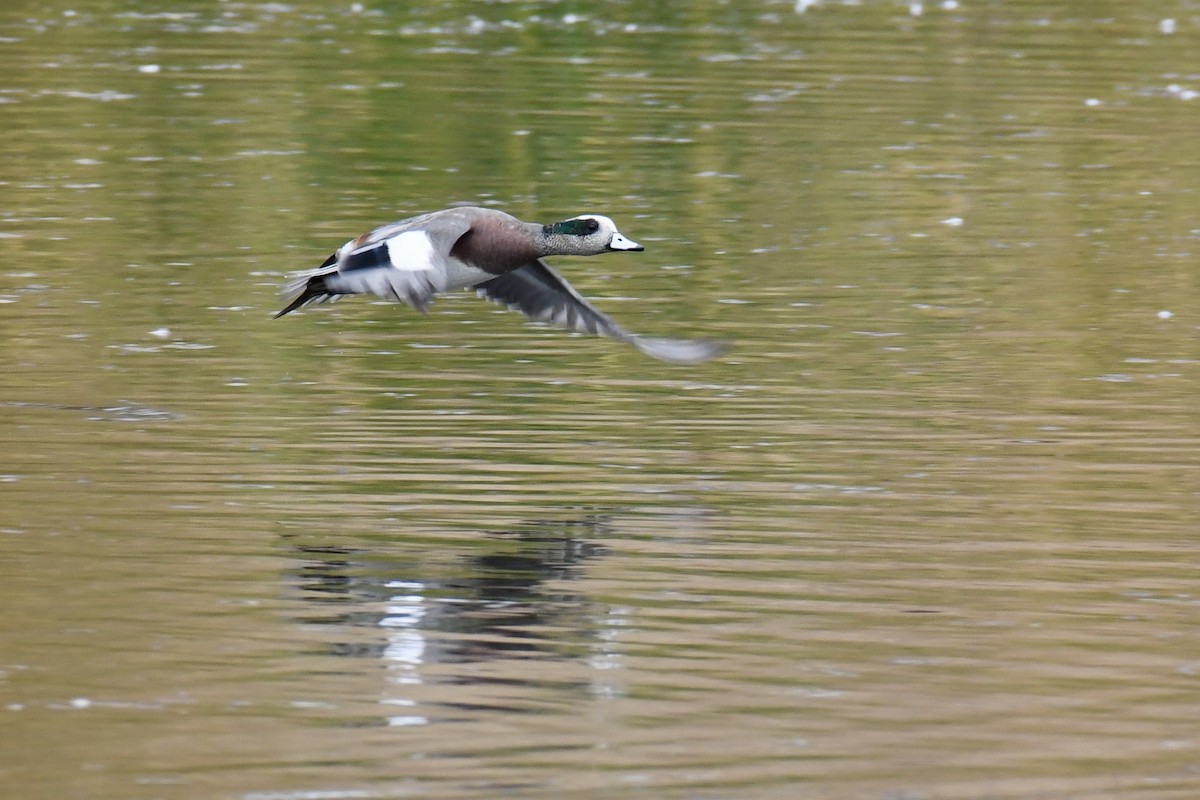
(495, 253)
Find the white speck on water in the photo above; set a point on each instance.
(814, 692)
(80, 702)
(1092, 102)
(149, 69)
(161, 333)
(1175, 90)
(310, 704)
(950, 5)
(916, 9)
(104, 96)
(406, 720)
(1167, 25)
(310, 794)
(1164, 314)
(953, 222)
(805, 5)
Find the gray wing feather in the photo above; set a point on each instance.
(540, 293)
(679, 351)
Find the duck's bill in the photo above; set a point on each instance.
(619, 242)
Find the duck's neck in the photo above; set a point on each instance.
(550, 240)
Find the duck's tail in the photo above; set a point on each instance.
(308, 287)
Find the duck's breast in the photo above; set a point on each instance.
(495, 246)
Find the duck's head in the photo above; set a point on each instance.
(588, 234)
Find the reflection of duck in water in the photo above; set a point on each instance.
(488, 602)
(496, 254)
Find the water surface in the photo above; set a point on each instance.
(926, 531)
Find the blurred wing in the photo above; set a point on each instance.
(541, 294)
(679, 351)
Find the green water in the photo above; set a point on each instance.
(928, 530)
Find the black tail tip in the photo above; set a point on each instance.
(305, 297)
(292, 306)
(311, 290)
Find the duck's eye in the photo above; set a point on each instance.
(578, 227)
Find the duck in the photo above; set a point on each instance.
(499, 256)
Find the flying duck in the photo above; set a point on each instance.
(496, 254)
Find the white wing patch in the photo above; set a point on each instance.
(411, 251)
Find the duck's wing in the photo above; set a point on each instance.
(406, 261)
(540, 293)
(443, 228)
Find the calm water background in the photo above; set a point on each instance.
(928, 531)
